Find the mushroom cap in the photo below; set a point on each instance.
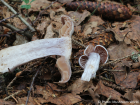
(101, 50)
(97, 49)
(90, 48)
(82, 60)
(67, 28)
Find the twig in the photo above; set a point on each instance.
(107, 100)
(13, 94)
(33, 81)
(20, 31)
(111, 70)
(120, 88)
(21, 73)
(117, 60)
(106, 79)
(31, 86)
(11, 82)
(5, 35)
(22, 19)
(8, 18)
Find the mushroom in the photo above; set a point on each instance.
(93, 56)
(15, 56)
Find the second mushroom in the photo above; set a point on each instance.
(93, 56)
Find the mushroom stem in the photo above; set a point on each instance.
(17, 55)
(91, 66)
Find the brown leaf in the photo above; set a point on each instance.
(37, 5)
(119, 51)
(47, 91)
(136, 97)
(129, 95)
(49, 32)
(18, 23)
(6, 13)
(66, 99)
(131, 28)
(89, 28)
(56, 5)
(23, 101)
(97, 19)
(41, 27)
(94, 96)
(107, 91)
(55, 14)
(78, 17)
(79, 86)
(127, 81)
(2, 102)
(41, 100)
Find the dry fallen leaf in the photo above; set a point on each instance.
(47, 91)
(6, 13)
(136, 97)
(18, 23)
(89, 28)
(66, 99)
(23, 101)
(127, 81)
(78, 17)
(129, 95)
(107, 91)
(55, 14)
(94, 96)
(97, 19)
(119, 51)
(129, 29)
(2, 102)
(49, 32)
(37, 5)
(79, 86)
(42, 26)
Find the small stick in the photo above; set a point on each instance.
(20, 31)
(117, 60)
(22, 19)
(21, 73)
(16, 93)
(11, 82)
(107, 100)
(8, 18)
(33, 81)
(107, 79)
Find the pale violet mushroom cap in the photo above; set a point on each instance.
(91, 60)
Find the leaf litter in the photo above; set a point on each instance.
(88, 27)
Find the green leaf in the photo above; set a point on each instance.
(26, 6)
(26, 1)
(23, 6)
(32, 1)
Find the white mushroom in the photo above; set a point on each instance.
(15, 56)
(91, 60)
